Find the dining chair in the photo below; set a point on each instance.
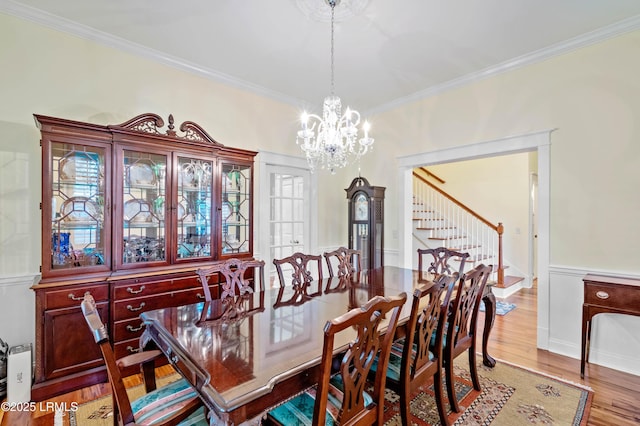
(346, 261)
(343, 397)
(414, 360)
(174, 404)
(440, 261)
(304, 268)
(236, 281)
(460, 335)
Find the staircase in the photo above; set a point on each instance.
(441, 220)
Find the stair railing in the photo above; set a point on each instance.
(450, 219)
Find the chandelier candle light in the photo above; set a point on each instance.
(336, 141)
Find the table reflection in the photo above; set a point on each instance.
(247, 353)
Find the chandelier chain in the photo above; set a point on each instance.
(333, 84)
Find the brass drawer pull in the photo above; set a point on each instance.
(602, 294)
(77, 299)
(133, 350)
(134, 329)
(132, 291)
(132, 309)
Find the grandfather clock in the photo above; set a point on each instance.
(366, 221)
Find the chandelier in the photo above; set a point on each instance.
(331, 141)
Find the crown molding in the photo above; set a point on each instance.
(587, 39)
(88, 33)
(67, 26)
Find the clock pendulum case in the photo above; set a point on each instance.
(366, 221)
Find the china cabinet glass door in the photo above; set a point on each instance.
(144, 208)
(193, 212)
(236, 208)
(78, 235)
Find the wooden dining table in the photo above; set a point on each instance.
(251, 352)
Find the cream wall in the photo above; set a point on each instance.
(591, 95)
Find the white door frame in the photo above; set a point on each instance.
(538, 141)
(266, 162)
(533, 226)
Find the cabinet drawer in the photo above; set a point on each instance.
(127, 329)
(142, 287)
(126, 347)
(73, 295)
(132, 308)
(611, 295)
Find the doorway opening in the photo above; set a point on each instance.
(539, 142)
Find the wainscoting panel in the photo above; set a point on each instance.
(615, 341)
(17, 309)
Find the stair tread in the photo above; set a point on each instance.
(464, 247)
(479, 257)
(428, 228)
(510, 280)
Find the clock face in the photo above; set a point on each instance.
(361, 207)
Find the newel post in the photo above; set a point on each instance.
(500, 230)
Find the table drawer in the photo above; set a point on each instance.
(611, 295)
(73, 295)
(132, 308)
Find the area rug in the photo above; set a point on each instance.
(100, 412)
(510, 395)
(502, 308)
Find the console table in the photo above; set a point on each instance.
(606, 295)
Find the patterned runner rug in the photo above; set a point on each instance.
(510, 395)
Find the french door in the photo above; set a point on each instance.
(287, 212)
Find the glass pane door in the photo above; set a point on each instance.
(194, 208)
(236, 208)
(288, 220)
(77, 206)
(144, 208)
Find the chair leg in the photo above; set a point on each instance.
(473, 368)
(451, 387)
(442, 412)
(405, 402)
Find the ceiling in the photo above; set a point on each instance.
(386, 52)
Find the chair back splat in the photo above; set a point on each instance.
(344, 395)
(303, 266)
(343, 262)
(441, 258)
(237, 280)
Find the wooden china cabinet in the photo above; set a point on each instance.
(129, 212)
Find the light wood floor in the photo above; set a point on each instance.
(513, 339)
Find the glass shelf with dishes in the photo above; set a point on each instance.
(194, 208)
(77, 205)
(236, 208)
(143, 207)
